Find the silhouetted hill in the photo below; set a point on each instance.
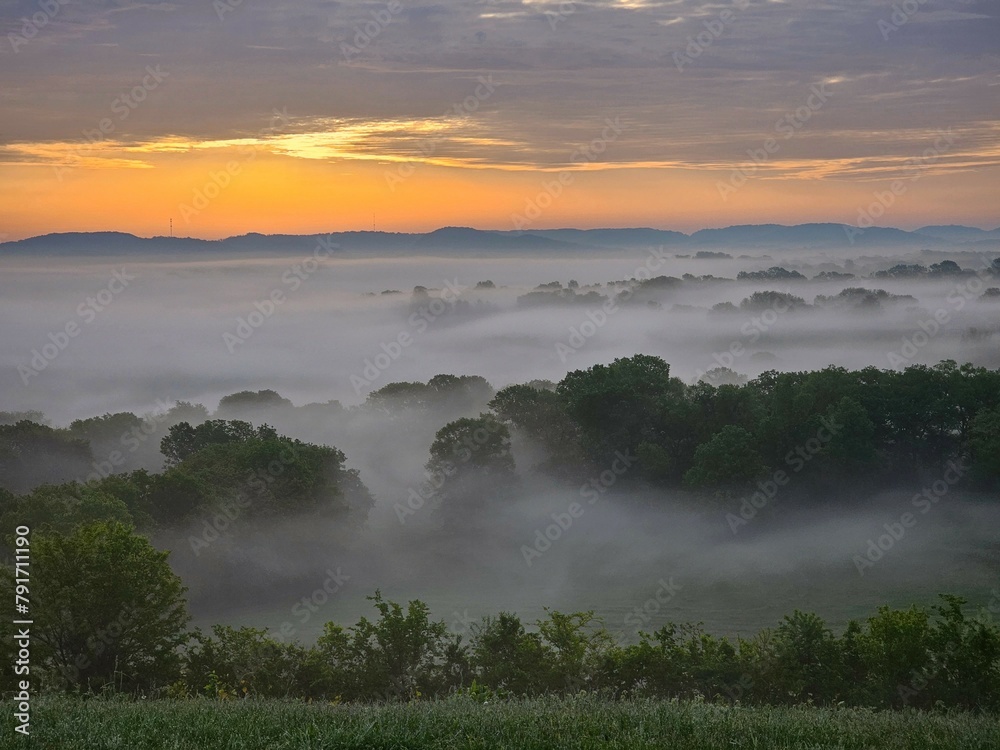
(958, 233)
(461, 240)
(776, 236)
(466, 238)
(613, 237)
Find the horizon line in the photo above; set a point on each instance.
(478, 229)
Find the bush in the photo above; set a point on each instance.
(108, 612)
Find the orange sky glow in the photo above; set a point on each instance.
(282, 119)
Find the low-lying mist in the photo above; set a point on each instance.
(638, 560)
(190, 329)
(196, 329)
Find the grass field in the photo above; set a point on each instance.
(585, 722)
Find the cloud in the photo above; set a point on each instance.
(561, 68)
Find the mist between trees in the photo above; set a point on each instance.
(896, 658)
(112, 614)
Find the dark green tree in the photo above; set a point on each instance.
(184, 440)
(108, 611)
(32, 454)
(984, 445)
(729, 460)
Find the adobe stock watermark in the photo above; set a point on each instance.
(923, 501)
(553, 189)
(461, 622)
(751, 331)
(920, 679)
(597, 319)
(87, 311)
(130, 440)
(961, 294)
(419, 321)
(429, 146)
(32, 25)
(640, 617)
(223, 7)
(102, 639)
(416, 498)
(122, 105)
(592, 491)
(293, 278)
(219, 180)
(886, 199)
(796, 460)
(307, 606)
(227, 512)
(787, 126)
(992, 610)
(901, 14)
(714, 28)
(563, 11)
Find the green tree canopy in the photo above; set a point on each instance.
(32, 454)
(985, 445)
(107, 609)
(184, 440)
(728, 460)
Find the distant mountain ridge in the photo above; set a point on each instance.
(466, 239)
(957, 232)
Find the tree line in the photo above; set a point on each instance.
(111, 614)
(110, 618)
(837, 430)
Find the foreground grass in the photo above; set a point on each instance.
(525, 725)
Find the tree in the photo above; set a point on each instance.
(32, 454)
(248, 663)
(774, 273)
(472, 446)
(461, 392)
(507, 657)
(104, 433)
(185, 411)
(926, 423)
(729, 459)
(63, 508)
(985, 445)
(456, 394)
(852, 446)
(122, 442)
(964, 660)
(723, 376)
(275, 474)
(402, 655)
(895, 650)
(539, 414)
(13, 417)
(175, 496)
(770, 300)
(807, 657)
(471, 460)
(252, 403)
(576, 644)
(398, 396)
(619, 406)
(945, 268)
(107, 609)
(183, 440)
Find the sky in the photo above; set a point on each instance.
(243, 115)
